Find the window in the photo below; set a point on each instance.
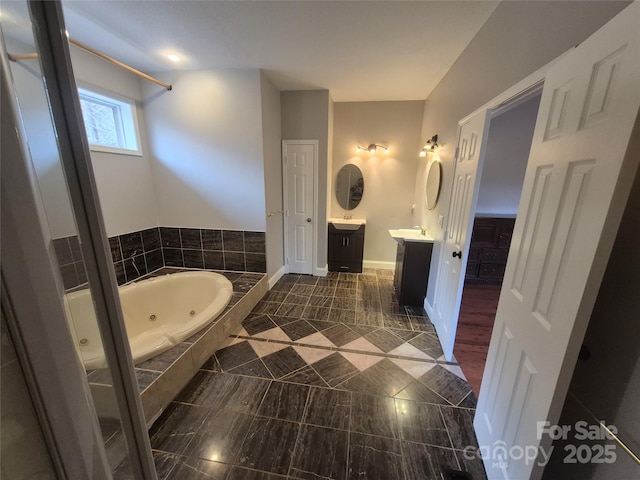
(111, 123)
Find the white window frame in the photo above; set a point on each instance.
(126, 116)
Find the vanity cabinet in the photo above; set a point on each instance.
(413, 261)
(488, 250)
(346, 249)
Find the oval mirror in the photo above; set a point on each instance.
(432, 189)
(349, 187)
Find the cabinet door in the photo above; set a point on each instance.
(355, 248)
(337, 248)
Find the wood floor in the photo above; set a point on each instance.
(477, 313)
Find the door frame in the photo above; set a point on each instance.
(285, 204)
(513, 96)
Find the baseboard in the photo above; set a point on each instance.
(320, 272)
(275, 277)
(380, 265)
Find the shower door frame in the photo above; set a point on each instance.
(38, 279)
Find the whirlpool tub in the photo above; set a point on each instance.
(158, 313)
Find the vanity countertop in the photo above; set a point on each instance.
(410, 235)
(347, 224)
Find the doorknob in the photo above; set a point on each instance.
(309, 220)
(457, 254)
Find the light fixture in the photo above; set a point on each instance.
(372, 148)
(430, 146)
(173, 57)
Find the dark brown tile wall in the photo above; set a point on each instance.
(235, 250)
(137, 253)
(70, 261)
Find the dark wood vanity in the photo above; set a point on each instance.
(413, 262)
(346, 249)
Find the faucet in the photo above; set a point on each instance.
(423, 230)
(347, 217)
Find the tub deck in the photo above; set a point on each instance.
(162, 377)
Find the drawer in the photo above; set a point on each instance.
(345, 267)
(490, 270)
(485, 232)
(472, 269)
(505, 240)
(474, 254)
(494, 255)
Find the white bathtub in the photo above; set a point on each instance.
(158, 312)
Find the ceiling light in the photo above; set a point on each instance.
(173, 57)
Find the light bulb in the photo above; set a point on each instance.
(173, 57)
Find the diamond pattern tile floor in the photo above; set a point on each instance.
(328, 378)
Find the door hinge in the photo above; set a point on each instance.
(455, 157)
(286, 261)
(285, 160)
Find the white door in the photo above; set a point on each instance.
(453, 260)
(299, 167)
(578, 178)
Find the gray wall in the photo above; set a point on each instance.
(518, 39)
(125, 182)
(272, 153)
(506, 159)
(388, 177)
(305, 116)
(206, 149)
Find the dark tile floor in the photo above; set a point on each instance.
(329, 379)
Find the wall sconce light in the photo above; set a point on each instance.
(430, 146)
(372, 148)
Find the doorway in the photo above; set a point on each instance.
(500, 186)
(300, 160)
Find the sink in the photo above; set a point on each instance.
(350, 224)
(410, 235)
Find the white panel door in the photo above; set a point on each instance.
(453, 261)
(578, 178)
(299, 207)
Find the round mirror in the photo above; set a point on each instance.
(432, 189)
(349, 187)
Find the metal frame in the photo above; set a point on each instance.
(34, 314)
(48, 23)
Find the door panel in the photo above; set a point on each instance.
(577, 181)
(299, 185)
(458, 235)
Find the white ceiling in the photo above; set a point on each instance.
(359, 50)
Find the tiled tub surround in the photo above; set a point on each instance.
(138, 253)
(163, 376)
(327, 378)
(70, 261)
(232, 250)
